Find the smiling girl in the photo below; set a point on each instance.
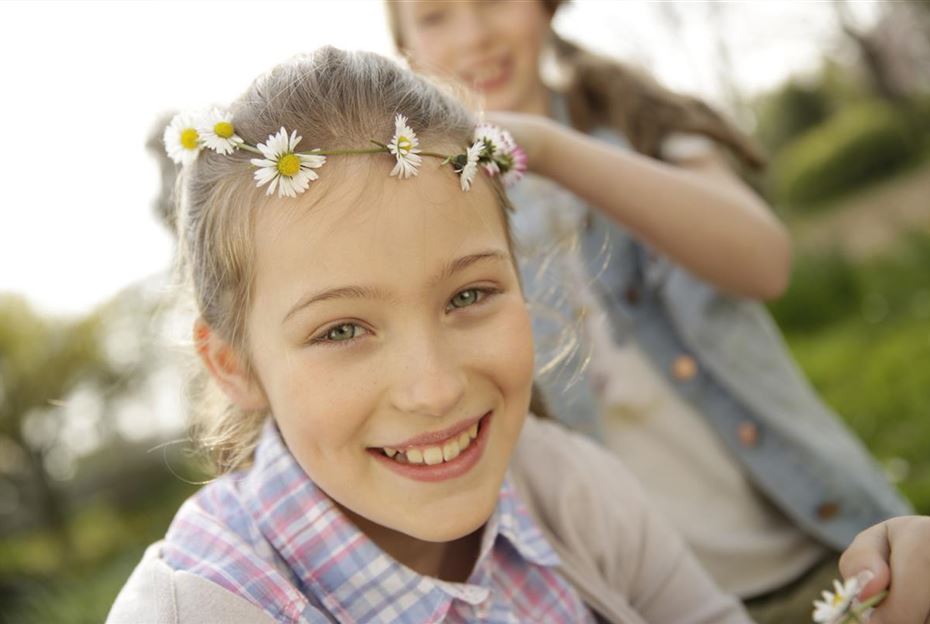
(362, 316)
(366, 327)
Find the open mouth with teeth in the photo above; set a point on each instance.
(489, 77)
(439, 460)
(436, 454)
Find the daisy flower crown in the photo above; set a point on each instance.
(282, 167)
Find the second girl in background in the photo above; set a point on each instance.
(662, 257)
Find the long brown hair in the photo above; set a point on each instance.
(604, 92)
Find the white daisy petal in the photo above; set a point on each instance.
(182, 140)
(404, 146)
(287, 171)
(467, 175)
(218, 133)
(502, 154)
(836, 605)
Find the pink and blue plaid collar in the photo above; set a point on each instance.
(271, 535)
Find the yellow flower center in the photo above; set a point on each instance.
(289, 165)
(223, 129)
(404, 144)
(837, 600)
(189, 138)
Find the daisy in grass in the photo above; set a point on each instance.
(218, 133)
(290, 172)
(471, 165)
(405, 147)
(182, 140)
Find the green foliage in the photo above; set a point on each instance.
(859, 145)
(823, 288)
(872, 375)
(799, 105)
(790, 111)
(865, 346)
(109, 542)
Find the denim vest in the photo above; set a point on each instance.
(723, 354)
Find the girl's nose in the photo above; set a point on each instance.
(430, 381)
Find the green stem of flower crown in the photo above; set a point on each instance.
(435, 155)
(349, 152)
(858, 610)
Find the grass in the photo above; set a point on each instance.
(865, 345)
(876, 377)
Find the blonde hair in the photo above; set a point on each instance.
(602, 91)
(331, 98)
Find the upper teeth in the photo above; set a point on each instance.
(432, 455)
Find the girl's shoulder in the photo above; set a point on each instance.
(155, 592)
(611, 540)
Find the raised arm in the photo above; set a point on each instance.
(697, 212)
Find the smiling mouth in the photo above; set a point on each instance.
(490, 77)
(435, 454)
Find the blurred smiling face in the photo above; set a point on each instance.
(491, 46)
(393, 345)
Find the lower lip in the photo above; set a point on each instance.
(496, 83)
(446, 470)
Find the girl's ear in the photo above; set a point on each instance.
(228, 368)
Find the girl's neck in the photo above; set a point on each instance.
(449, 561)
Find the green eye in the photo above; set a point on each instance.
(340, 333)
(465, 298)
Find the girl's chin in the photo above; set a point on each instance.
(444, 524)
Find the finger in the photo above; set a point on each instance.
(908, 599)
(868, 552)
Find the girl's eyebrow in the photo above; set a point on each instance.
(368, 292)
(460, 264)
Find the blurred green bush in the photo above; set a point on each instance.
(864, 142)
(861, 332)
(789, 111)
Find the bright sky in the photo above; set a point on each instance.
(84, 82)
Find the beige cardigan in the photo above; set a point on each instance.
(624, 560)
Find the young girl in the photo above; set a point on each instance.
(372, 338)
(686, 377)
(361, 312)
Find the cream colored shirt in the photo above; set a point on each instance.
(746, 544)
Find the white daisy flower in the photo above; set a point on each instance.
(467, 175)
(182, 141)
(493, 140)
(218, 133)
(836, 606)
(501, 154)
(405, 147)
(290, 172)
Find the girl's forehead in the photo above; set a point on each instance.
(365, 219)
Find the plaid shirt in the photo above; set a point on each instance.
(272, 536)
